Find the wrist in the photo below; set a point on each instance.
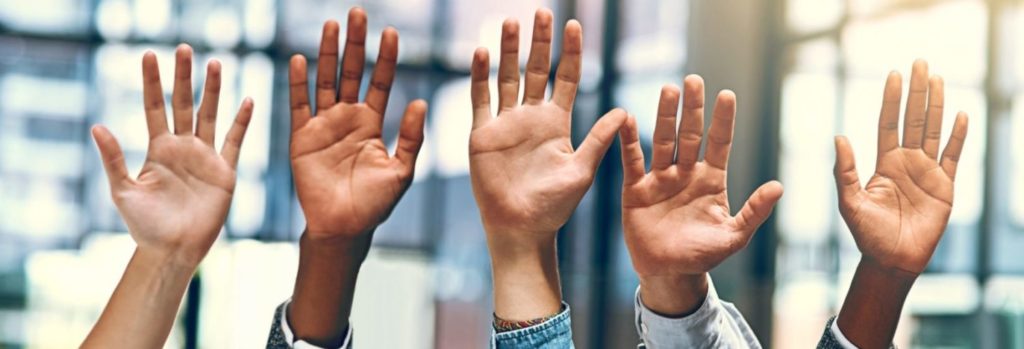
(336, 246)
(325, 286)
(170, 260)
(674, 295)
(874, 269)
(526, 281)
(873, 304)
(335, 234)
(508, 245)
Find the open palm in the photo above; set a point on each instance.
(346, 181)
(526, 176)
(899, 217)
(181, 197)
(677, 219)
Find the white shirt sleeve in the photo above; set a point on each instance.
(715, 324)
(843, 341)
(301, 344)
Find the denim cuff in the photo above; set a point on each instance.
(556, 332)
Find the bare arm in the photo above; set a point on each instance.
(174, 209)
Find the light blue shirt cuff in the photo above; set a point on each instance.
(715, 324)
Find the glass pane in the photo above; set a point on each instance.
(450, 126)
(817, 56)
(810, 15)
(808, 105)
(41, 144)
(874, 46)
(1017, 158)
(477, 23)
(69, 17)
(653, 36)
(304, 21)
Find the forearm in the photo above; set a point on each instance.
(324, 288)
(674, 296)
(143, 307)
(873, 305)
(526, 283)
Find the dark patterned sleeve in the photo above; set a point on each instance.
(829, 340)
(277, 339)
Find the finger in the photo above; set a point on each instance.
(845, 171)
(933, 124)
(112, 156)
(568, 76)
(233, 141)
(206, 125)
(914, 120)
(508, 68)
(665, 128)
(383, 72)
(538, 67)
(181, 98)
(353, 58)
(889, 117)
(153, 96)
(632, 152)
(720, 134)
(298, 91)
(410, 136)
(601, 136)
(327, 67)
(691, 127)
(951, 155)
(479, 91)
(758, 207)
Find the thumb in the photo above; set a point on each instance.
(847, 181)
(601, 136)
(112, 156)
(410, 135)
(758, 207)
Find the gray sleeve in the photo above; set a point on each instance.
(715, 324)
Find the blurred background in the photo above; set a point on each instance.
(804, 70)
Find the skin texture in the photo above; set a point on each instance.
(174, 209)
(347, 182)
(898, 218)
(677, 220)
(527, 177)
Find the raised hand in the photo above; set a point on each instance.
(346, 181)
(180, 199)
(677, 220)
(526, 176)
(174, 208)
(898, 218)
